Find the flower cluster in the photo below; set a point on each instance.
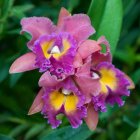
(78, 78)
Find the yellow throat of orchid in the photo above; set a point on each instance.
(49, 49)
(66, 98)
(108, 79)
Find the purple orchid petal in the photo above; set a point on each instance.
(116, 83)
(99, 103)
(37, 26)
(76, 119)
(24, 63)
(50, 112)
(132, 85)
(59, 64)
(79, 26)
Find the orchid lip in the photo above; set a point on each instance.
(59, 49)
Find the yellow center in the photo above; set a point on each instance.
(108, 79)
(46, 46)
(57, 99)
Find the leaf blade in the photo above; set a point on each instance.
(108, 21)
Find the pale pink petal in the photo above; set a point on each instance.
(132, 85)
(37, 26)
(92, 117)
(88, 47)
(88, 86)
(37, 104)
(84, 70)
(48, 80)
(63, 13)
(99, 56)
(77, 61)
(24, 63)
(79, 26)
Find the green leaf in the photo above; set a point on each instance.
(3, 71)
(6, 7)
(72, 4)
(136, 76)
(68, 133)
(132, 16)
(34, 131)
(14, 78)
(135, 135)
(130, 122)
(19, 11)
(18, 130)
(5, 10)
(3, 137)
(106, 17)
(23, 8)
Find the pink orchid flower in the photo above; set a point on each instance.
(78, 80)
(99, 80)
(63, 97)
(53, 47)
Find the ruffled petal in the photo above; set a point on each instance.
(88, 47)
(37, 104)
(48, 80)
(65, 98)
(76, 118)
(99, 103)
(99, 56)
(84, 70)
(92, 117)
(91, 87)
(58, 63)
(37, 26)
(132, 85)
(79, 26)
(114, 83)
(63, 13)
(24, 63)
(77, 61)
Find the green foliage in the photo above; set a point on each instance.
(135, 135)
(18, 91)
(3, 137)
(66, 133)
(72, 4)
(108, 20)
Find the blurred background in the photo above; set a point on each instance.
(18, 91)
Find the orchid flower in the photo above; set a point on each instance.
(78, 79)
(63, 97)
(99, 80)
(53, 47)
